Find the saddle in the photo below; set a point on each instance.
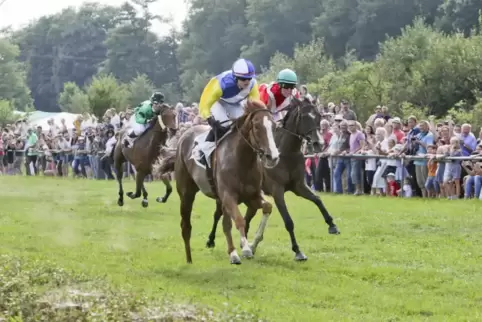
(205, 145)
(129, 141)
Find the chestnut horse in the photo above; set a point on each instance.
(236, 177)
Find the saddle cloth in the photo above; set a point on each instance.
(200, 144)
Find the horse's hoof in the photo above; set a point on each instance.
(120, 203)
(247, 253)
(145, 203)
(210, 244)
(253, 250)
(300, 257)
(235, 260)
(130, 195)
(161, 200)
(333, 230)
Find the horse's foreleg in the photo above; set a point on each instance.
(267, 210)
(217, 215)
(230, 208)
(145, 203)
(140, 176)
(303, 191)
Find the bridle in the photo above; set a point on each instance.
(304, 136)
(248, 120)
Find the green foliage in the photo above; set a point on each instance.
(13, 85)
(195, 86)
(172, 92)
(73, 99)
(309, 62)
(7, 114)
(105, 92)
(361, 83)
(407, 109)
(422, 67)
(463, 113)
(140, 89)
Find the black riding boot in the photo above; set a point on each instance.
(220, 131)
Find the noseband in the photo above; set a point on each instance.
(259, 151)
(304, 136)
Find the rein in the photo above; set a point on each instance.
(304, 136)
(260, 152)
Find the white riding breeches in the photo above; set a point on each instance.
(224, 112)
(109, 145)
(138, 129)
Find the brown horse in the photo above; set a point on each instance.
(237, 169)
(143, 152)
(301, 122)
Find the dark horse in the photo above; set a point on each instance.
(143, 152)
(301, 122)
(237, 169)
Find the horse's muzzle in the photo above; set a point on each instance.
(269, 162)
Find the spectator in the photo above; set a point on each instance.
(343, 164)
(357, 144)
(322, 180)
(347, 113)
(421, 141)
(374, 116)
(31, 162)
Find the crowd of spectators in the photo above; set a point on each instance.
(394, 157)
(382, 146)
(69, 149)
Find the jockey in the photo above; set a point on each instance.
(144, 113)
(277, 95)
(223, 99)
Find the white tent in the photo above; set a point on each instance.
(69, 120)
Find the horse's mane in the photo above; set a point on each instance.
(252, 105)
(294, 103)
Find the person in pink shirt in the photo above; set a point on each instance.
(397, 129)
(357, 144)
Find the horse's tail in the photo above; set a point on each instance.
(165, 163)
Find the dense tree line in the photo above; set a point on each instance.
(413, 55)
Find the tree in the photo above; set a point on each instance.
(105, 92)
(73, 99)
(463, 16)
(13, 77)
(140, 89)
(196, 86)
(7, 113)
(67, 46)
(212, 38)
(277, 25)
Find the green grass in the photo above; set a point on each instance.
(395, 260)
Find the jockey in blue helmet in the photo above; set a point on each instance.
(222, 100)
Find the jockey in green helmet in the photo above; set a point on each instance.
(144, 113)
(278, 95)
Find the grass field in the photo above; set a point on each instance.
(395, 260)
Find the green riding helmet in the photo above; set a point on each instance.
(157, 97)
(287, 76)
